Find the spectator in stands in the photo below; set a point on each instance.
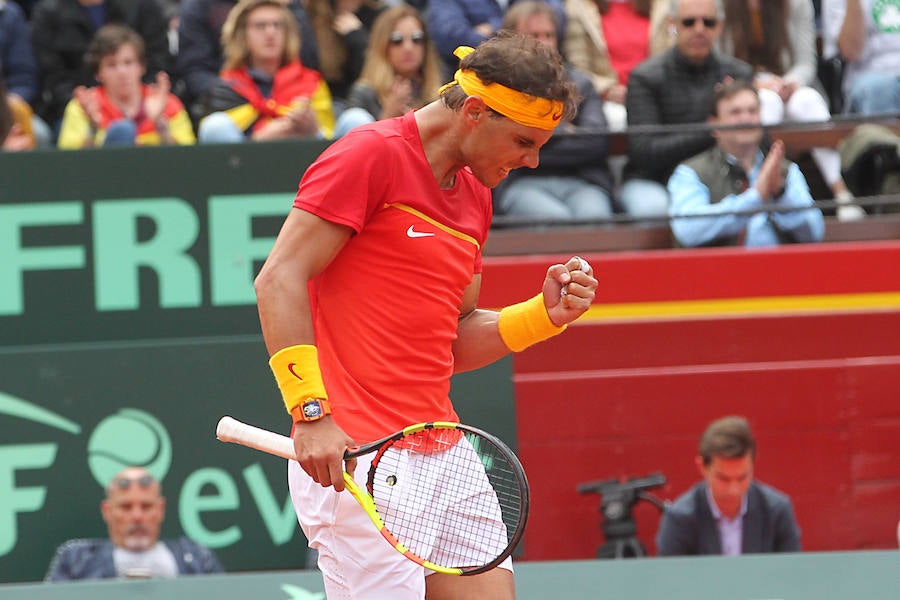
(15, 122)
(784, 61)
(608, 38)
(342, 34)
(18, 66)
(264, 92)
(133, 509)
(122, 110)
(17, 63)
(728, 513)
(401, 71)
(673, 88)
(61, 31)
(734, 177)
(867, 35)
(572, 181)
(199, 57)
(453, 23)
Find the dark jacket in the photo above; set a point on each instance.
(668, 89)
(17, 63)
(199, 49)
(451, 23)
(570, 153)
(93, 559)
(688, 526)
(61, 31)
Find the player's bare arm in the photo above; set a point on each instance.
(304, 247)
(568, 291)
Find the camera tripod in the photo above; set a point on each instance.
(617, 500)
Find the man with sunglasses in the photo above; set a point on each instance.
(133, 509)
(674, 88)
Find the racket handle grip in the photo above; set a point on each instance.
(234, 431)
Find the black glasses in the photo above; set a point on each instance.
(708, 22)
(416, 37)
(123, 483)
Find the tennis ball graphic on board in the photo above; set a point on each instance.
(129, 438)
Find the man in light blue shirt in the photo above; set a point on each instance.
(713, 194)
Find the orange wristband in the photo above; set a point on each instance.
(296, 369)
(526, 323)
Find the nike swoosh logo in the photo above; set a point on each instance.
(294, 373)
(417, 234)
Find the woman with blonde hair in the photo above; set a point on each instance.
(401, 72)
(264, 92)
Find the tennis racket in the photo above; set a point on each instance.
(428, 484)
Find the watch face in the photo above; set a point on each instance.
(312, 410)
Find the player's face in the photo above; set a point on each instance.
(499, 145)
(697, 26)
(121, 72)
(728, 480)
(406, 47)
(266, 34)
(740, 109)
(133, 513)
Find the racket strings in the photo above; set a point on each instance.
(457, 507)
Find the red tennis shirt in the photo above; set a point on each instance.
(387, 307)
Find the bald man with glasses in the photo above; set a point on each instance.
(674, 88)
(134, 509)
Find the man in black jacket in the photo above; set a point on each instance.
(728, 512)
(671, 88)
(133, 509)
(61, 31)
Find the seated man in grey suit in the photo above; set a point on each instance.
(728, 512)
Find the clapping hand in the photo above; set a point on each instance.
(399, 99)
(88, 101)
(770, 180)
(303, 118)
(156, 100)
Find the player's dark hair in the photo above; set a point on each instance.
(728, 437)
(522, 63)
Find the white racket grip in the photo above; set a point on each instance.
(232, 430)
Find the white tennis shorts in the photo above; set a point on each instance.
(356, 561)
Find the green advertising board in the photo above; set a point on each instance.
(128, 327)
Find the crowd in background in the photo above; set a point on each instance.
(89, 73)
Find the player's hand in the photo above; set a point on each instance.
(569, 290)
(320, 446)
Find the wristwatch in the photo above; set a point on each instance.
(311, 410)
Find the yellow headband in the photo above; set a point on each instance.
(524, 109)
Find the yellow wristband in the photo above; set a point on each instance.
(526, 323)
(296, 370)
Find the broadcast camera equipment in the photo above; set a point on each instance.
(617, 499)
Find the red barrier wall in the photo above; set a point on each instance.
(619, 397)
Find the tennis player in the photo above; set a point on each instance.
(371, 288)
